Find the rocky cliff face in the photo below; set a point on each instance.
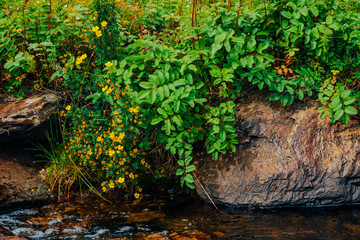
(286, 157)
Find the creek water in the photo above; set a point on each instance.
(177, 217)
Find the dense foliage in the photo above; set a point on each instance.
(161, 76)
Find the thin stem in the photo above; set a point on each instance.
(24, 26)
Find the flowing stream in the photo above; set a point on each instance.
(177, 217)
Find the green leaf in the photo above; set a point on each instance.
(167, 127)
(215, 155)
(349, 100)
(189, 178)
(177, 119)
(162, 112)
(345, 93)
(338, 114)
(146, 85)
(346, 119)
(181, 163)
(188, 160)
(190, 168)
(274, 97)
(300, 94)
(156, 121)
(152, 96)
(286, 14)
(329, 20)
(314, 10)
(190, 185)
(351, 110)
(180, 172)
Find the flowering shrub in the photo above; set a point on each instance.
(167, 76)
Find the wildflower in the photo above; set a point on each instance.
(79, 61)
(121, 180)
(136, 195)
(108, 64)
(103, 23)
(131, 175)
(111, 184)
(68, 108)
(134, 110)
(98, 34)
(111, 152)
(104, 189)
(104, 88)
(95, 29)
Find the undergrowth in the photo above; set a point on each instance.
(148, 80)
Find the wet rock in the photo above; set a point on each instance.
(20, 181)
(5, 234)
(286, 157)
(26, 118)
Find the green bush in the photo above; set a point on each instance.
(167, 76)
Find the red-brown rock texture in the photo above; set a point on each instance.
(23, 119)
(286, 157)
(21, 183)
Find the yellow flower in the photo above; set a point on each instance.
(111, 152)
(98, 34)
(103, 23)
(104, 88)
(95, 29)
(131, 175)
(83, 56)
(104, 189)
(79, 61)
(136, 195)
(121, 180)
(108, 64)
(68, 108)
(111, 184)
(134, 110)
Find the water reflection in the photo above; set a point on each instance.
(178, 218)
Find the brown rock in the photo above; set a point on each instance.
(26, 118)
(20, 181)
(286, 157)
(156, 236)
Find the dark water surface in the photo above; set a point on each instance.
(94, 218)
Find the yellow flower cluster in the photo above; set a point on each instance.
(134, 110)
(107, 90)
(97, 31)
(18, 30)
(79, 60)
